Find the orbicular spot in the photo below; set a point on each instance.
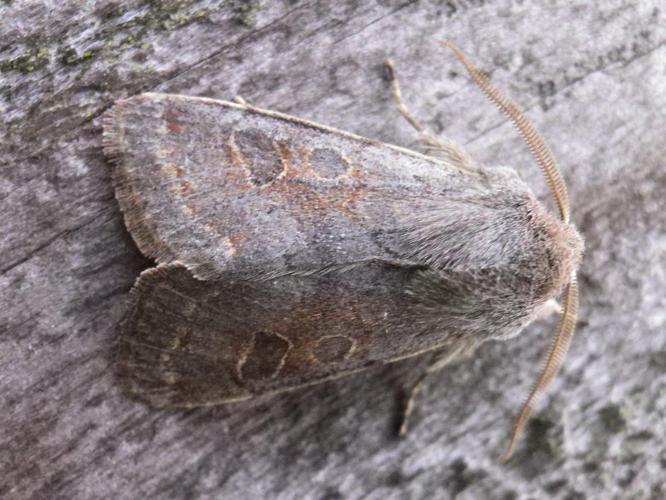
(174, 121)
(332, 348)
(328, 163)
(261, 157)
(265, 358)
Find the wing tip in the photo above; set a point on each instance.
(151, 361)
(116, 150)
(158, 378)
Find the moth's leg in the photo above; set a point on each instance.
(397, 96)
(239, 100)
(440, 358)
(409, 405)
(449, 148)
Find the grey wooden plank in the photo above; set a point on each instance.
(591, 77)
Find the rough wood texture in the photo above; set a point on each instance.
(593, 80)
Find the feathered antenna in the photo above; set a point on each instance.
(546, 160)
(554, 361)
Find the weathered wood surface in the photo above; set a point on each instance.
(592, 78)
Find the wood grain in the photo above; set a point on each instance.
(592, 79)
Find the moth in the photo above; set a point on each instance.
(289, 253)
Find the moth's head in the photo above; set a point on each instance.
(562, 246)
(557, 246)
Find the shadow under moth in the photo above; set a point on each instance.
(289, 253)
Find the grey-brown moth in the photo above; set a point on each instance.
(289, 253)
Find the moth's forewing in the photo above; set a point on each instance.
(188, 342)
(192, 342)
(218, 187)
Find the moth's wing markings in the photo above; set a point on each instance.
(185, 343)
(164, 349)
(208, 183)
